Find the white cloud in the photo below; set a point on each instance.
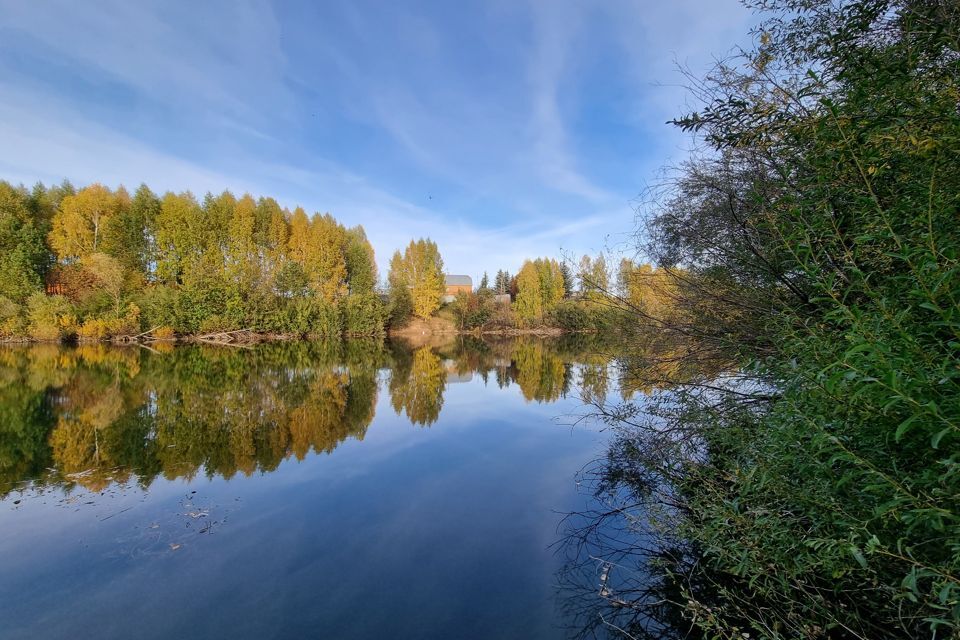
(554, 29)
(217, 100)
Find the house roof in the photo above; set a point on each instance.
(458, 281)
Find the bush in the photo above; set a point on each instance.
(471, 311)
(502, 317)
(306, 316)
(570, 316)
(158, 304)
(364, 314)
(196, 308)
(103, 328)
(164, 333)
(12, 321)
(51, 317)
(821, 259)
(401, 307)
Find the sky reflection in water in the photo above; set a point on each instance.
(290, 490)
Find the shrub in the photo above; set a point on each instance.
(104, 328)
(12, 321)
(364, 314)
(471, 311)
(51, 317)
(570, 316)
(216, 324)
(164, 333)
(501, 317)
(401, 307)
(306, 316)
(159, 306)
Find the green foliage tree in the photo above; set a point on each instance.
(24, 258)
(129, 236)
(820, 248)
(225, 264)
(593, 275)
(539, 289)
(551, 282)
(242, 258)
(566, 277)
(364, 314)
(361, 263)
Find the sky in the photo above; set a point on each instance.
(503, 130)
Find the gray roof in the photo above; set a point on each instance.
(458, 281)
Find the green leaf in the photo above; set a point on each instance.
(904, 426)
(858, 556)
(935, 440)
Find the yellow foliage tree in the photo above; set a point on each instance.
(110, 275)
(79, 224)
(529, 303)
(180, 234)
(420, 271)
(317, 245)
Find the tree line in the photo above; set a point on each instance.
(98, 263)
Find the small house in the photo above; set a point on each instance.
(454, 285)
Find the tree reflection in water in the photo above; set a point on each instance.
(96, 414)
(626, 575)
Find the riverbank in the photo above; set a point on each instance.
(416, 329)
(440, 325)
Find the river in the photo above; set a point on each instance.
(291, 490)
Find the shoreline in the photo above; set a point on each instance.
(243, 336)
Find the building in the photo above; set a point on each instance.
(456, 284)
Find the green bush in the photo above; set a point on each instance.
(158, 307)
(821, 249)
(364, 314)
(306, 317)
(570, 316)
(400, 307)
(196, 307)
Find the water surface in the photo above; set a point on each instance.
(349, 490)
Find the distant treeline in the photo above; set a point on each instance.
(100, 263)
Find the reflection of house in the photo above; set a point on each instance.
(454, 375)
(456, 284)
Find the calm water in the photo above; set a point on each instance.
(289, 490)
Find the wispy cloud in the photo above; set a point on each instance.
(502, 130)
(554, 29)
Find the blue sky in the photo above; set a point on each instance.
(503, 130)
